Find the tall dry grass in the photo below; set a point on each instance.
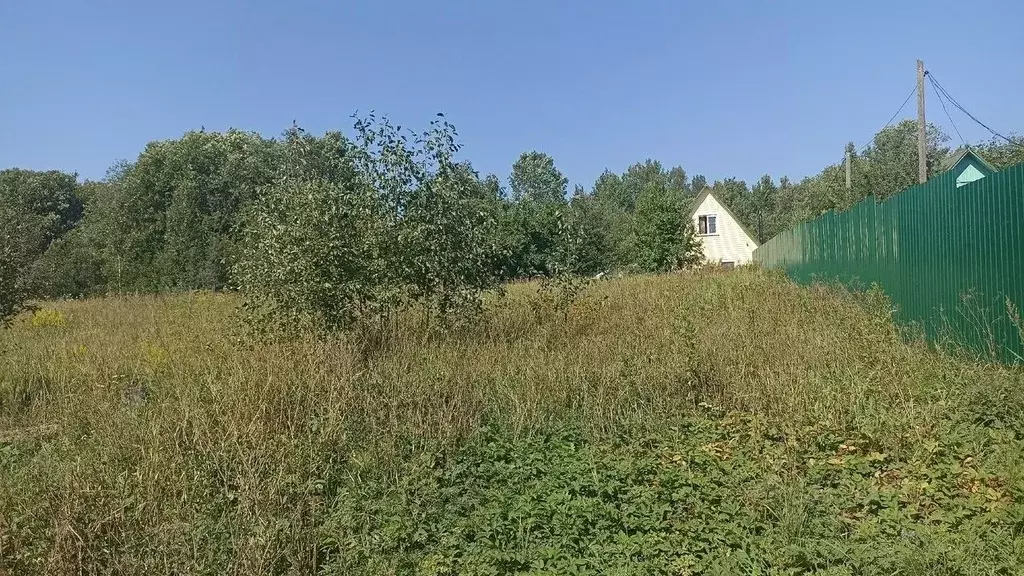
(151, 435)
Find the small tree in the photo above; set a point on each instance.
(535, 177)
(891, 159)
(763, 207)
(354, 230)
(70, 268)
(529, 225)
(663, 236)
(44, 204)
(12, 292)
(451, 229)
(308, 260)
(587, 244)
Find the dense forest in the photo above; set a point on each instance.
(221, 210)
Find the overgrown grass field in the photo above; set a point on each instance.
(693, 423)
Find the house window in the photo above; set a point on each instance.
(707, 225)
(728, 265)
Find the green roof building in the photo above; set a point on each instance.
(967, 166)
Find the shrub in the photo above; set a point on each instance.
(354, 230)
(70, 268)
(12, 291)
(664, 238)
(47, 317)
(12, 297)
(309, 256)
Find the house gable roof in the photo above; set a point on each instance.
(966, 152)
(704, 193)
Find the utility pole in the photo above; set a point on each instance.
(922, 142)
(849, 183)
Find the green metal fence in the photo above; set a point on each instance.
(951, 259)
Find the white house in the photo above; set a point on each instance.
(724, 238)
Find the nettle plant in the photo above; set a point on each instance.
(355, 230)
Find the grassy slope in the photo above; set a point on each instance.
(674, 424)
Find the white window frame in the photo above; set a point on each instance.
(710, 215)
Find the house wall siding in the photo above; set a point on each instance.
(970, 173)
(731, 243)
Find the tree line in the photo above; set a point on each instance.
(382, 216)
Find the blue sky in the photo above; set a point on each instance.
(721, 88)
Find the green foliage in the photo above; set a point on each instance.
(645, 241)
(718, 494)
(308, 256)
(887, 166)
(36, 208)
(12, 291)
(44, 204)
(624, 191)
(640, 177)
(358, 230)
(171, 219)
(587, 238)
(530, 225)
(535, 178)
(630, 434)
(609, 192)
(698, 184)
(663, 234)
(446, 236)
(71, 267)
(175, 207)
(1000, 153)
(533, 236)
(763, 207)
(891, 159)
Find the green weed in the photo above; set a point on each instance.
(691, 423)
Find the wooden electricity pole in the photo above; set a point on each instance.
(922, 142)
(849, 184)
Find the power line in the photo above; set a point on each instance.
(941, 101)
(953, 101)
(891, 118)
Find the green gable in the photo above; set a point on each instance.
(968, 167)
